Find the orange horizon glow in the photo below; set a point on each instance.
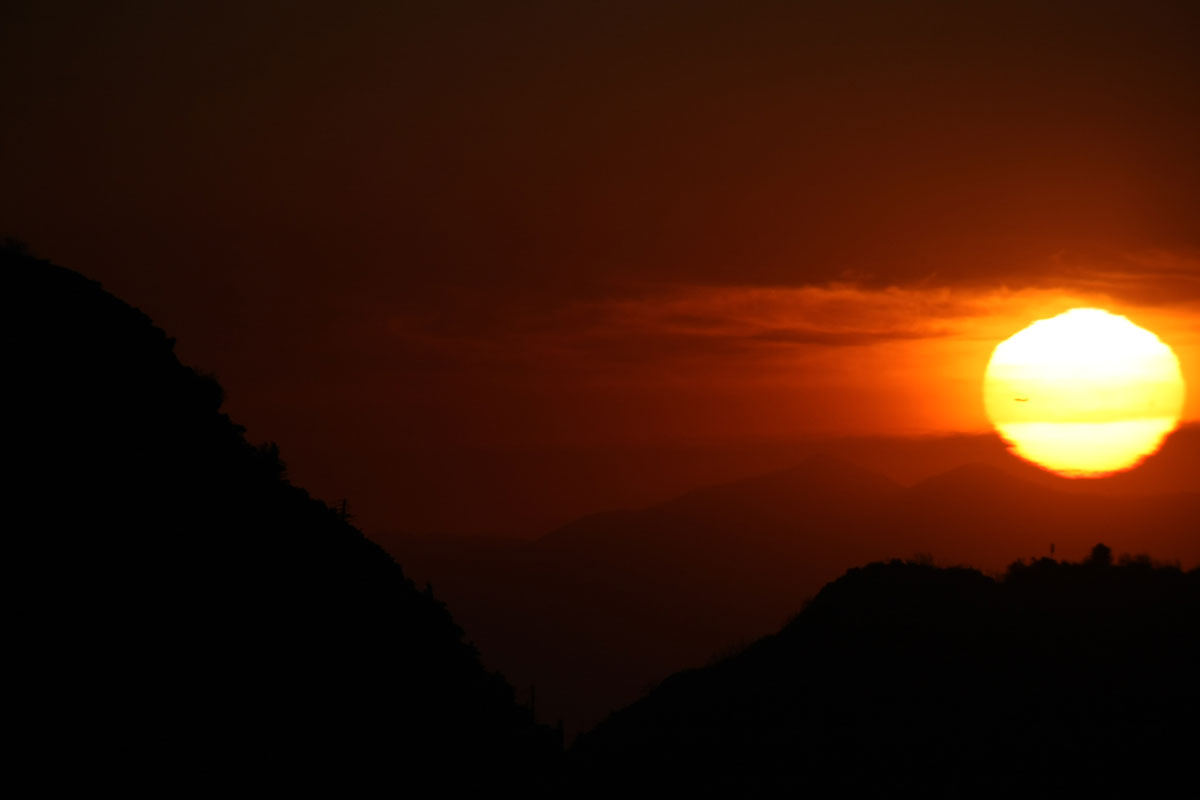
(1084, 394)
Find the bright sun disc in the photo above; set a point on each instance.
(1084, 394)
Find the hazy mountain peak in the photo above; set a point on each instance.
(819, 478)
(976, 477)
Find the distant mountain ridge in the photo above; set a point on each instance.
(827, 505)
(665, 586)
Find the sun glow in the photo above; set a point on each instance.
(1084, 394)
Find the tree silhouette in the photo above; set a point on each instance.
(1101, 557)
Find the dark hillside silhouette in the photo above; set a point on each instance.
(1061, 679)
(187, 615)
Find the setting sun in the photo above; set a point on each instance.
(1084, 394)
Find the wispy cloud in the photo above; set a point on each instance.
(836, 315)
(1148, 278)
(679, 326)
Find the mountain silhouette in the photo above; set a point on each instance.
(906, 679)
(186, 616)
(599, 609)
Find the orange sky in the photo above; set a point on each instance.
(418, 241)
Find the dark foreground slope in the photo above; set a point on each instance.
(900, 678)
(185, 615)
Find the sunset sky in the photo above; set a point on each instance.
(440, 250)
